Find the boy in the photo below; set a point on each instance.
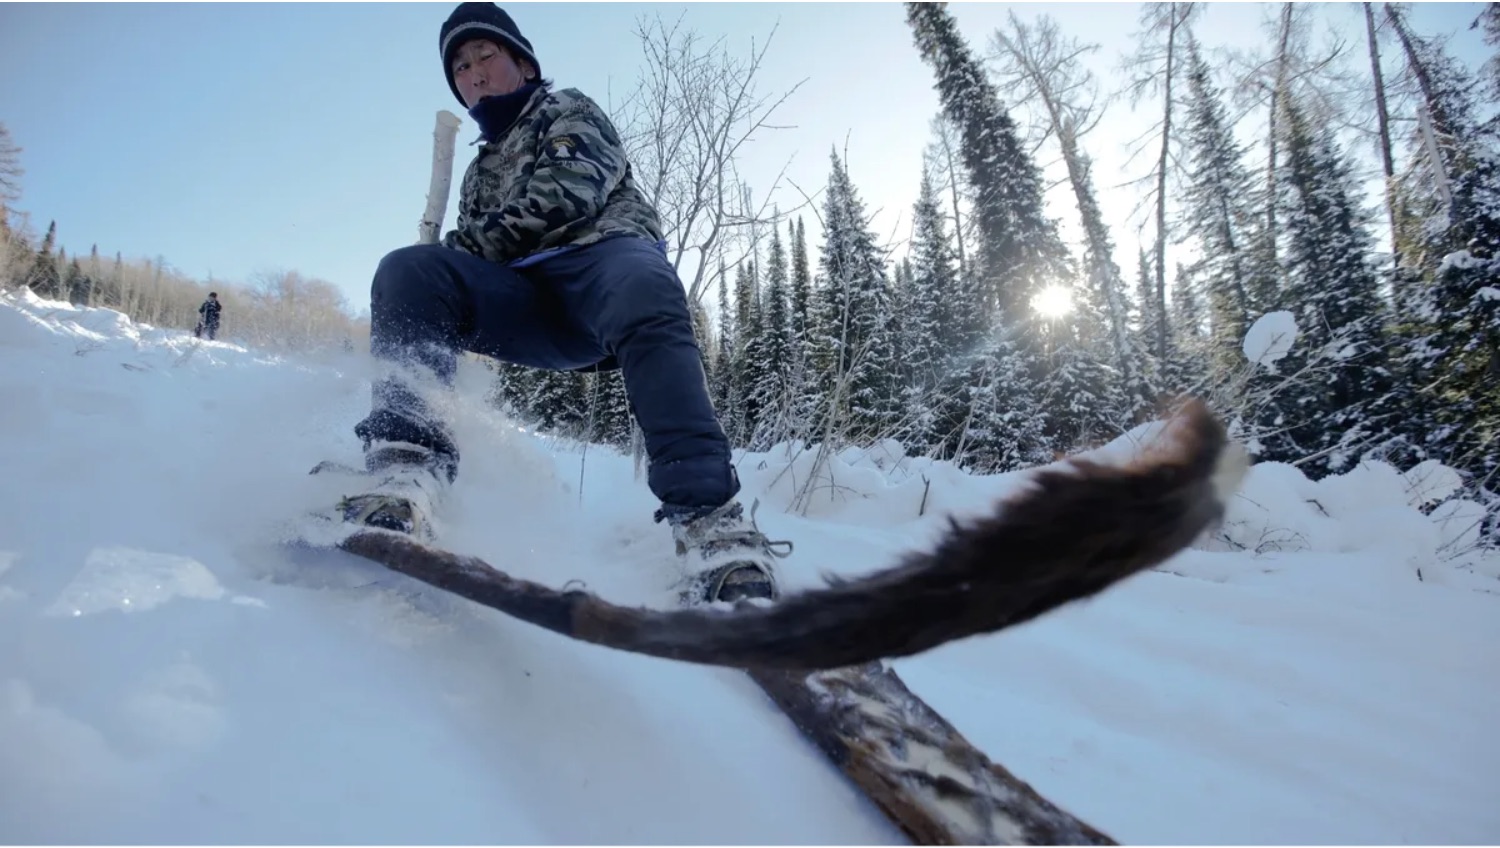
(556, 261)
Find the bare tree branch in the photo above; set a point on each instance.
(693, 111)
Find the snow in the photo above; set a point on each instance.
(1431, 482)
(1270, 338)
(1460, 259)
(1322, 669)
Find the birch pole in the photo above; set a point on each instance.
(444, 137)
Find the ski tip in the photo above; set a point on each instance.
(1191, 444)
(1199, 443)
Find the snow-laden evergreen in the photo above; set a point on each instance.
(1449, 320)
(854, 350)
(1334, 407)
(940, 319)
(1019, 253)
(1220, 203)
(771, 358)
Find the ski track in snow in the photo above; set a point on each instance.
(169, 674)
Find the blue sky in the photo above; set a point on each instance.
(235, 138)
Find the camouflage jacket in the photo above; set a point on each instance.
(557, 178)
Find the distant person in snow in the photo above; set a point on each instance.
(208, 317)
(557, 261)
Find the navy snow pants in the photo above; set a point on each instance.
(617, 299)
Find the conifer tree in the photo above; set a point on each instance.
(855, 352)
(609, 408)
(44, 279)
(1333, 292)
(983, 414)
(771, 388)
(806, 383)
(748, 358)
(1019, 251)
(1449, 242)
(722, 377)
(939, 322)
(1221, 211)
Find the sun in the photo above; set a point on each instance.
(1053, 302)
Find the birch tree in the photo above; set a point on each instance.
(941, 163)
(694, 110)
(1153, 70)
(1040, 66)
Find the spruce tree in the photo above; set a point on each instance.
(983, 415)
(1332, 289)
(1084, 396)
(1449, 331)
(805, 398)
(854, 348)
(1221, 211)
(771, 387)
(1192, 370)
(44, 279)
(940, 320)
(1019, 250)
(558, 401)
(609, 408)
(749, 358)
(722, 377)
(75, 285)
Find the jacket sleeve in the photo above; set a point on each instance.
(580, 163)
(458, 239)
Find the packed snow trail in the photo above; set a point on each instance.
(168, 675)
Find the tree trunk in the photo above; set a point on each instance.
(1276, 93)
(1160, 293)
(958, 220)
(1383, 117)
(1431, 120)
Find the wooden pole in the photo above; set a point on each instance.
(444, 137)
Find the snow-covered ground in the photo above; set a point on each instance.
(1325, 671)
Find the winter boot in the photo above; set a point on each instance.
(728, 558)
(412, 479)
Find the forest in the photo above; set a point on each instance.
(1002, 331)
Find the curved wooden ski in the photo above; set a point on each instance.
(1081, 528)
(916, 767)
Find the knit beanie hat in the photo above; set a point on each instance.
(480, 20)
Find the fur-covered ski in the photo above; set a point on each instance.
(1081, 527)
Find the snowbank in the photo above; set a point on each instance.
(1321, 670)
